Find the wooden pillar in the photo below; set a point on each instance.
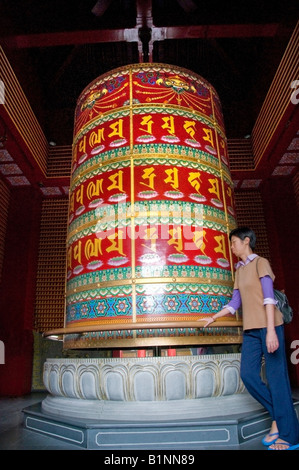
(283, 227)
(17, 291)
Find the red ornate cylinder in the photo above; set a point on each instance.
(151, 207)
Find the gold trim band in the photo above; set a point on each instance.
(150, 280)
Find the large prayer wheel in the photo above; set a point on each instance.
(151, 207)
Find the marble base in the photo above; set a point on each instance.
(144, 379)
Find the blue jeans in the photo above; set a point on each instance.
(276, 396)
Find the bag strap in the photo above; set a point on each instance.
(257, 271)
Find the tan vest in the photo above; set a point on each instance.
(248, 282)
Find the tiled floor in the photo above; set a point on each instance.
(13, 436)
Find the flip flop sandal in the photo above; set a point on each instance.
(268, 443)
(287, 445)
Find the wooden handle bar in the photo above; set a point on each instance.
(141, 325)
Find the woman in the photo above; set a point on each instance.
(263, 336)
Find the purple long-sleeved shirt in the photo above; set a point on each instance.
(267, 287)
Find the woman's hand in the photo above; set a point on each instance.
(272, 341)
(207, 322)
(211, 319)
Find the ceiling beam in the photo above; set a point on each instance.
(132, 34)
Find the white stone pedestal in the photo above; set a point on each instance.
(144, 379)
